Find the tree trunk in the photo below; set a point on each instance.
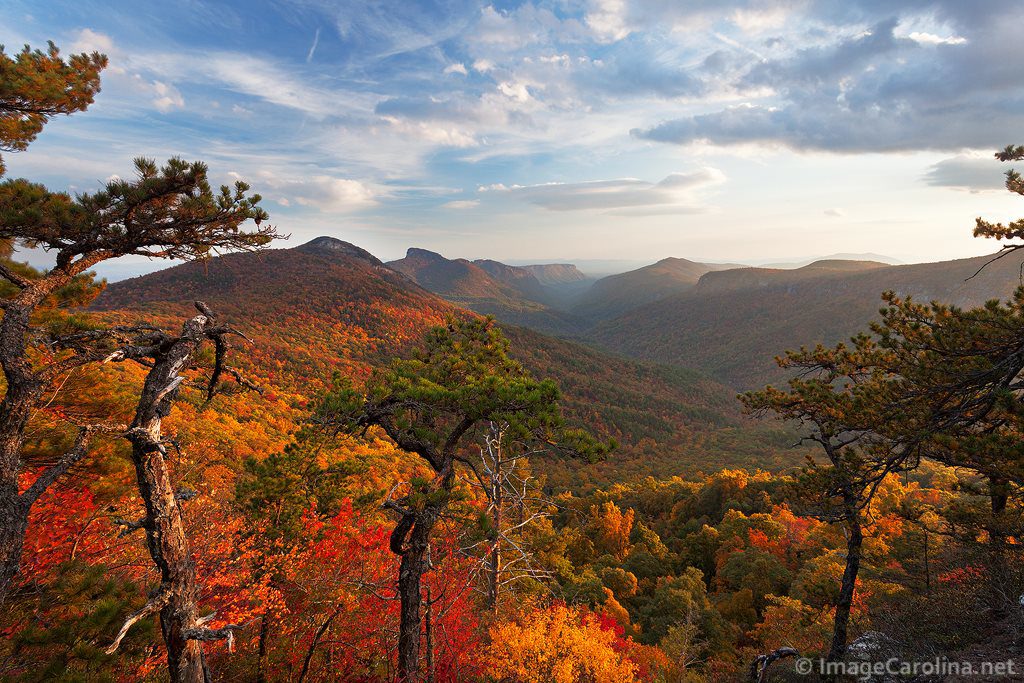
(316, 641)
(849, 583)
(411, 540)
(999, 495)
(411, 569)
(12, 534)
(165, 532)
(23, 391)
(429, 635)
(494, 559)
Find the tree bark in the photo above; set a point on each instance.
(316, 641)
(999, 495)
(411, 541)
(24, 387)
(854, 541)
(12, 534)
(165, 532)
(429, 635)
(412, 567)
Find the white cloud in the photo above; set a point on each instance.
(312, 48)
(932, 39)
(163, 96)
(607, 18)
(676, 193)
(87, 40)
(334, 194)
(166, 96)
(461, 204)
(263, 79)
(321, 192)
(516, 90)
(456, 68)
(835, 213)
(430, 132)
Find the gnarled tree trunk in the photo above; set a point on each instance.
(411, 541)
(165, 532)
(177, 596)
(24, 387)
(413, 565)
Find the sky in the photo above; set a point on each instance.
(725, 130)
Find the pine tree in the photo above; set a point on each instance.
(36, 86)
(435, 405)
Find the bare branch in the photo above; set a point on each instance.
(52, 473)
(154, 605)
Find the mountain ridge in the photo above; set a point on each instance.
(734, 322)
(314, 310)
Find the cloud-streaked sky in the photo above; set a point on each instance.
(591, 129)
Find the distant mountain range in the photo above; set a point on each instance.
(733, 323)
(554, 298)
(330, 306)
(617, 294)
(800, 263)
(512, 294)
(727, 320)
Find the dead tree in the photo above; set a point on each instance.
(512, 506)
(169, 212)
(176, 599)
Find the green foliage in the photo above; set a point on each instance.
(679, 600)
(37, 85)
(278, 490)
(462, 376)
(1015, 229)
(165, 212)
(76, 617)
(762, 573)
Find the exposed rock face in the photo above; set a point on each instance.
(555, 273)
(871, 648)
(327, 244)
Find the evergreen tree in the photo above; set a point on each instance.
(842, 400)
(36, 86)
(435, 404)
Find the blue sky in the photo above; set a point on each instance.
(579, 129)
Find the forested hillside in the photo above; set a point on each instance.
(733, 323)
(613, 295)
(512, 294)
(328, 305)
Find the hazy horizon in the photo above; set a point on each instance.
(125, 268)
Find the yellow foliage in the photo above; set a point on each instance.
(557, 645)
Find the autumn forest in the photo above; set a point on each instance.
(286, 460)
